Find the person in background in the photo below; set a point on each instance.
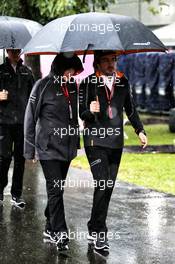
(16, 82)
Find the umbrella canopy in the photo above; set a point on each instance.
(15, 32)
(94, 31)
(166, 34)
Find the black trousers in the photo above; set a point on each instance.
(55, 173)
(11, 145)
(104, 163)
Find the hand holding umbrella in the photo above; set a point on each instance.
(3, 95)
(95, 106)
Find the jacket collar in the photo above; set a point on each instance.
(8, 64)
(118, 74)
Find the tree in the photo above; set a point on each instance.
(154, 9)
(44, 11)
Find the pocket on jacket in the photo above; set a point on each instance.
(42, 139)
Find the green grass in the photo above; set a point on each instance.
(155, 171)
(157, 135)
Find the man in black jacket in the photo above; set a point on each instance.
(16, 82)
(102, 97)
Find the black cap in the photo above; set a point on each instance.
(64, 62)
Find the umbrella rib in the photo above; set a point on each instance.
(67, 31)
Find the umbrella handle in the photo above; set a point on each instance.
(96, 114)
(3, 55)
(86, 50)
(97, 100)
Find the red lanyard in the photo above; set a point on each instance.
(109, 99)
(66, 94)
(65, 91)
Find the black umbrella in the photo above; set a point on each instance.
(15, 32)
(94, 31)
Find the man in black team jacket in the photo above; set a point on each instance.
(16, 82)
(102, 97)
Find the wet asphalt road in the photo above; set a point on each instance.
(141, 224)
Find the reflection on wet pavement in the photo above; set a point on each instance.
(141, 223)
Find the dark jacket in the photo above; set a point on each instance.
(100, 122)
(19, 85)
(47, 113)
